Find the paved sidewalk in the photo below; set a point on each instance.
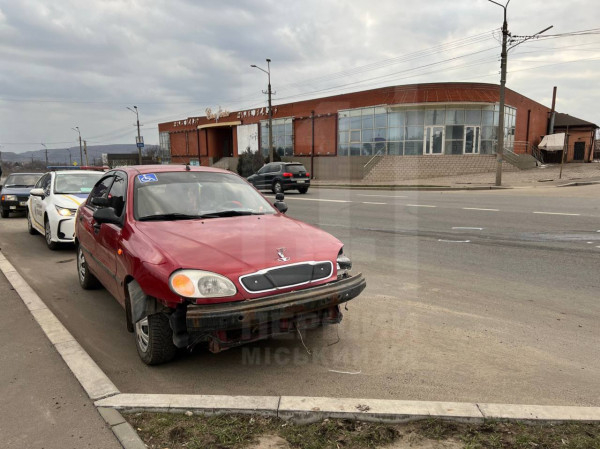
(544, 176)
(43, 404)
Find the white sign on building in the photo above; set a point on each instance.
(247, 138)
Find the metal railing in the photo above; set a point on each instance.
(367, 167)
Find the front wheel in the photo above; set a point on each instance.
(86, 279)
(277, 187)
(30, 227)
(48, 234)
(154, 339)
(4, 212)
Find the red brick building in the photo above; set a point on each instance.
(454, 123)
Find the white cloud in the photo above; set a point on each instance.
(68, 62)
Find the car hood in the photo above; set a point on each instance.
(16, 190)
(234, 246)
(69, 201)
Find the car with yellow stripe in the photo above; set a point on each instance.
(53, 203)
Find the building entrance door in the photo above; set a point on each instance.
(579, 151)
(472, 139)
(434, 139)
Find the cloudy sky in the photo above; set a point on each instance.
(68, 63)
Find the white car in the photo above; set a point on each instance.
(53, 203)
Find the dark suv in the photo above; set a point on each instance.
(280, 176)
(15, 192)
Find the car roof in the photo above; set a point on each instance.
(76, 172)
(141, 169)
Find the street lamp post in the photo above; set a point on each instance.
(503, 61)
(503, 64)
(80, 150)
(139, 139)
(268, 72)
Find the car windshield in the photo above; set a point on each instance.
(188, 195)
(76, 182)
(22, 180)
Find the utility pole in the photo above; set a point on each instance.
(46, 151)
(80, 152)
(503, 64)
(312, 147)
(269, 92)
(139, 141)
(85, 151)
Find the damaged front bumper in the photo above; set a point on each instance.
(231, 324)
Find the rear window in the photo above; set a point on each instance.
(22, 180)
(295, 169)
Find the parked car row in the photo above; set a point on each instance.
(194, 255)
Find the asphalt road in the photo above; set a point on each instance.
(487, 296)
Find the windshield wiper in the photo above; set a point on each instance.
(17, 185)
(173, 216)
(230, 213)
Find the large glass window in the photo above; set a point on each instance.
(283, 137)
(165, 147)
(398, 130)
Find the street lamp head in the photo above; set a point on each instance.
(268, 60)
(253, 65)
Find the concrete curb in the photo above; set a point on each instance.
(126, 434)
(412, 188)
(304, 410)
(579, 183)
(109, 401)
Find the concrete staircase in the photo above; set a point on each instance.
(226, 163)
(521, 161)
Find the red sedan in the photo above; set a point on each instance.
(197, 255)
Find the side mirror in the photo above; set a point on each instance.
(100, 202)
(106, 215)
(38, 192)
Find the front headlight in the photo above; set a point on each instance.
(63, 211)
(9, 197)
(344, 265)
(200, 284)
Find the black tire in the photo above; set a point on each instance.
(30, 227)
(303, 190)
(86, 279)
(48, 236)
(4, 213)
(277, 187)
(154, 339)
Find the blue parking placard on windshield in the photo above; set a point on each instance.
(148, 177)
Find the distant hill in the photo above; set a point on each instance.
(61, 155)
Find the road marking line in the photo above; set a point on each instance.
(454, 241)
(319, 199)
(371, 202)
(384, 196)
(479, 208)
(467, 227)
(419, 205)
(556, 213)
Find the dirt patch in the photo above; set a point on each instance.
(164, 430)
